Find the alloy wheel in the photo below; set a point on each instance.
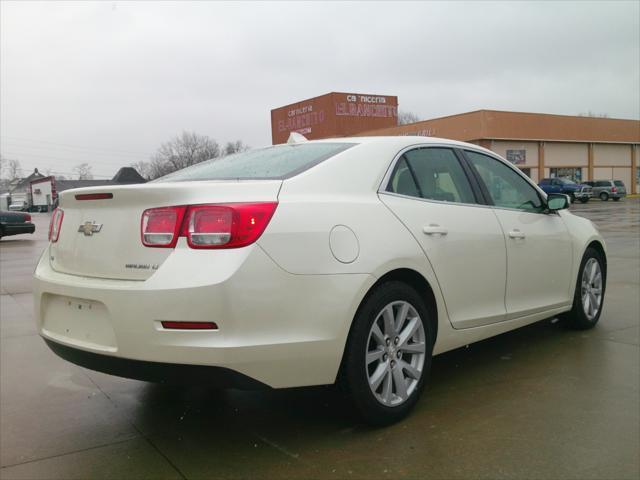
(591, 288)
(395, 353)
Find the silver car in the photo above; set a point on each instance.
(606, 189)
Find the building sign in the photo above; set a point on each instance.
(334, 115)
(301, 120)
(366, 106)
(517, 157)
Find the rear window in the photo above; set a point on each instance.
(603, 184)
(618, 183)
(277, 162)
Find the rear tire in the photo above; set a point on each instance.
(604, 196)
(589, 294)
(388, 355)
(616, 199)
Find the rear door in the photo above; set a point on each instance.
(431, 192)
(539, 248)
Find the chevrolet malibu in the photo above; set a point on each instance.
(350, 261)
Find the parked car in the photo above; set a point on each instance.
(351, 260)
(606, 189)
(19, 207)
(576, 191)
(15, 223)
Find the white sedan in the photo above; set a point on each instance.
(350, 260)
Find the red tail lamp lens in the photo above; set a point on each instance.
(160, 226)
(55, 224)
(231, 225)
(27, 217)
(189, 325)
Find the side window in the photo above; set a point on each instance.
(506, 187)
(432, 173)
(403, 180)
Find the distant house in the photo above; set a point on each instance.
(45, 190)
(20, 189)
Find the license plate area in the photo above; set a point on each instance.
(76, 321)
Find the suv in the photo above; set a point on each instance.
(606, 189)
(575, 190)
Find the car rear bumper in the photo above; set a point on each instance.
(280, 329)
(167, 373)
(17, 228)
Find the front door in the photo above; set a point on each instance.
(539, 248)
(431, 194)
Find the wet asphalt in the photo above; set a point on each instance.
(539, 402)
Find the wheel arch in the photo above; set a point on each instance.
(416, 281)
(597, 246)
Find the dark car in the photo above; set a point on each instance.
(606, 189)
(14, 223)
(576, 191)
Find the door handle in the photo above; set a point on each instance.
(434, 229)
(515, 233)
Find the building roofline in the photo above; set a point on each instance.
(509, 112)
(328, 94)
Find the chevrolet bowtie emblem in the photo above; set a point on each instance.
(89, 228)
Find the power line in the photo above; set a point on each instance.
(48, 157)
(74, 146)
(13, 144)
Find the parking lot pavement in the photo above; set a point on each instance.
(539, 402)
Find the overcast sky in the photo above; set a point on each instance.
(107, 82)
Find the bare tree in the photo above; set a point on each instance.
(83, 171)
(407, 117)
(143, 168)
(10, 169)
(594, 115)
(184, 150)
(50, 173)
(235, 147)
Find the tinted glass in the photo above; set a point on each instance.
(506, 187)
(603, 184)
(432, 173)
(618, 183)
(280, 161)
(402, 181)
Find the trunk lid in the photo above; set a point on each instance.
(101, 238)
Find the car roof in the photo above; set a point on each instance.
(402, 141)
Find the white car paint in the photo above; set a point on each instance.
(285, 304)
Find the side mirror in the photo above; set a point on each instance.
(557, 201)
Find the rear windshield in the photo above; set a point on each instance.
(618, 183)
(277, 162)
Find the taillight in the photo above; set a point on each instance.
(230, 225)
(27, 217)
(55, 224)
(614, 189)
(161, 226)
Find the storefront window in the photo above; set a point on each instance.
(526, 171)
(571, 173)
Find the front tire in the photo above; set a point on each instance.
(589, 295)
(388, 355)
